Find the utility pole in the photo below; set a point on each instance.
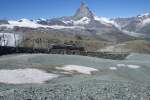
(15, 39)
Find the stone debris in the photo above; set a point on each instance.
(85, 90)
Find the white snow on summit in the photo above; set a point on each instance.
(24, 23)
(144, 15)
(146, 21)
(103, 19)
(106, 21)
(33, 24)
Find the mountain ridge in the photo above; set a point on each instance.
(84, 21)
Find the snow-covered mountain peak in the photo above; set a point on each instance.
(82, 12)
(145, 22)
(23, 23)
(144, 15)
(24, 20)
(102, 19)
(106, 21)
(40, 19)
(33, 24)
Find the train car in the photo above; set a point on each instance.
(66, 48)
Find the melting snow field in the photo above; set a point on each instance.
(113, 68)
(129, 66)
(80, 69)
(22, 76)
(125, 65)
(38, 66)
(133, 66)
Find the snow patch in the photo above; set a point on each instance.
(82, 21)
(80, 69)
(24, 23)
(146, 21)
(143, 15)
(103, 19)
(64, 27)
(129, 66)
(22, 76)
(41, 19)
(121, 65)
(106, 21)
(113, 68)
(134, 34)
(67, 21)
(133, 66)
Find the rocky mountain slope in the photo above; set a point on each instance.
(83, 27)
(138, 24)
(84, 21)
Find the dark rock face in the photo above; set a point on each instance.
(83, 11)
(42, 22)
(3, 22)
(51, 22)
(55, 22)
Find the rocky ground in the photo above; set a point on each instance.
(85, 90)
(112, 79)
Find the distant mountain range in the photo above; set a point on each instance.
(86, 23)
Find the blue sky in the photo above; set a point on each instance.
(34, 9)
